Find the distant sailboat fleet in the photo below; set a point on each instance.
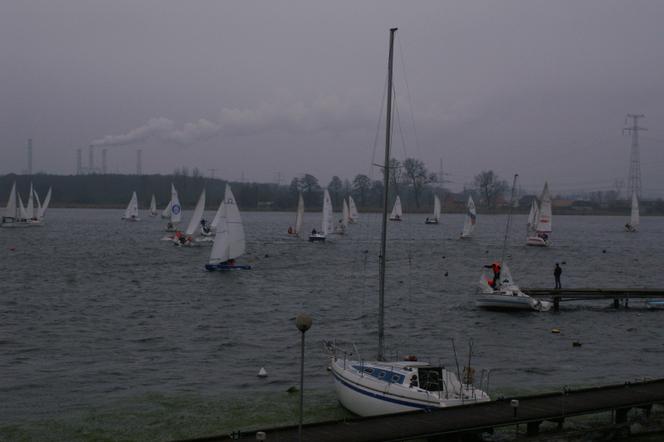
(30, 215)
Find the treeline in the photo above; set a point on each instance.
(114, 190)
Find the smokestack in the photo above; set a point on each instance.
(103, 161)
(139, 162)
(79, 161)
(29, 156)
(91, 160)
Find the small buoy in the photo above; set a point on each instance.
(604, 251)
(262, 373)
(564, 263)
(443, 256)
(328, 368)
(12, 248)
(555, 330)
(445, 273)
(266, 256)
(576, 344)
(400, 282)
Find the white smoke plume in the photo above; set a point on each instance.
(327, 113)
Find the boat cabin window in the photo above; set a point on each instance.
(430, 378)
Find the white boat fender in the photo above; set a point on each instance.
(262, 373)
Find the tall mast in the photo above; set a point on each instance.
(386, 184)
(509, 220)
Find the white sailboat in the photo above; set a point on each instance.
(542, 222)
(633, 224)
(153, 206)
(397, 212)
(174, 211)
(326, 223)
(353, 215)
(131, 212)
(299, 217)
(44, 206)
(342, 225)
(499, 292)
(30, 206)
(13, 216)
(436, 211)
(187, 239)
(507, 295)
(229, 243)
(379, 387)
(470, 220)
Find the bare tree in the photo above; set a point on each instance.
(490, 187)
(416, 174)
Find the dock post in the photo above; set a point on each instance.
(533, 428)
(616, 303)
(556, 303)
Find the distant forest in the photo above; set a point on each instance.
(411, 182)
(114, 191)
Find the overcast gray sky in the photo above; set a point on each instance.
(265, 87)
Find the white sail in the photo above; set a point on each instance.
(21, 208)
(299, 216)
(229, 241)
(397, 212)
(175, 207)
(544, 219)
(345, 214)
(352, 210)
(153, 206)
(166, 213)
(47, 200)
(533, 217)
(30, 207)
(436, 208)
(471, 218)
(11, 210)
(634, 217)
(327, 225)
(132, 208)
(196, 217)
(38, 205)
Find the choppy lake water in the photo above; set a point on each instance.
(106, 332)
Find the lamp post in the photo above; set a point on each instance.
(303, 323)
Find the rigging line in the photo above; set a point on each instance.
(378, 127)
(410, 101)
(401, 135)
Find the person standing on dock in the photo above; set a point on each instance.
(556, 273)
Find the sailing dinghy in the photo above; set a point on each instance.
(436, 211)
(342, 225)
(174, 213)
(187, 239)
(299, 217)
(326, 223)
(471, 219)
(539, 236)
(131, 213)
(353, 215)
(153, 206)
(14, 215)
(397, 212)
(633, 224)
(229, 243)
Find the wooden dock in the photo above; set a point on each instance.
(455, 421)
(584, 294)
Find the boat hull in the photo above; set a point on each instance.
(431, 222)
(317, 237)
(536, 241)
(509, 302)
(225, 267)
(395, 219)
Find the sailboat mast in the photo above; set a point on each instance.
(509, 219)
(386, 186)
